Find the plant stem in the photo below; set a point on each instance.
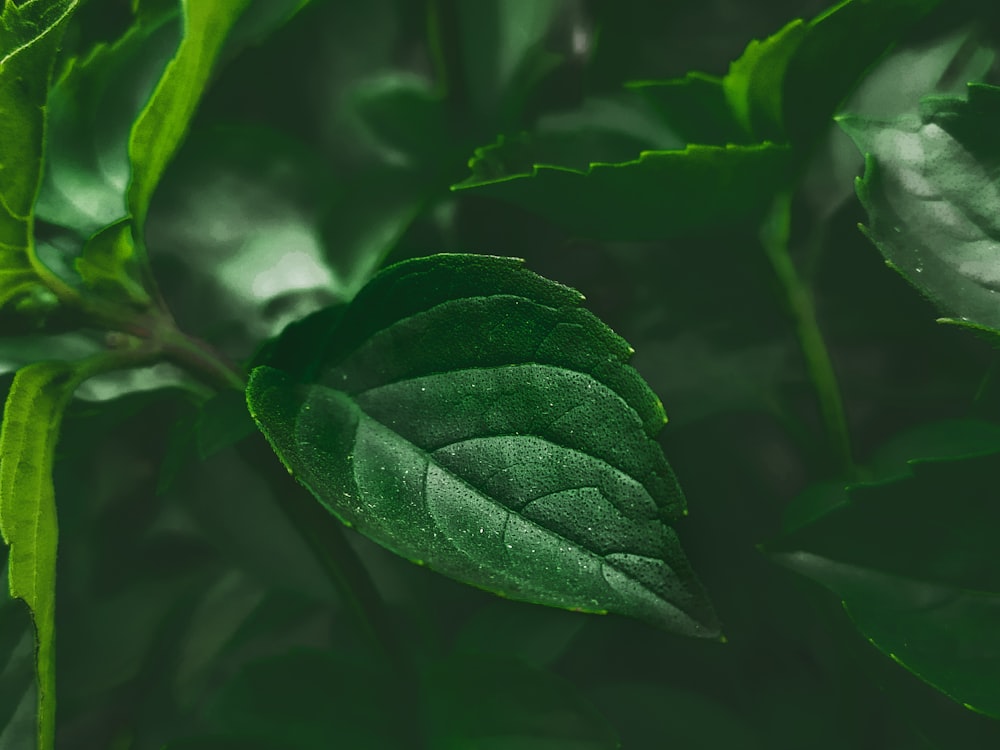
(151, 336)
(774, 236)
(198, 357)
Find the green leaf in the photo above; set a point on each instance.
(784, 88)
(695, 107)
(163, 123)
(600, 129)
(893, 461)
(892, 526)
(661, 194)
(293, 350)
(753, 85)
(402, 113)
(241, 256)
(222, 421)
(29, 41)
(91, 109)
(261, 19)
(945, 65)
(934, 441)
(501, 47)
(932, 199)
(917, 575)
(472, 417)
(91, 112)
(366, 222)
(108, 266)
(28, 438)
(813, 87)
(945, 636)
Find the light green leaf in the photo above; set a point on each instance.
(93, 105)
(753, 85)
(107, 265)
(32, 416)
(91, 109)
(164, 121)
(784, 88)
(933, 199)
(471, 416)
(661, 194)
(29, 41)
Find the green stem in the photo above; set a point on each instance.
(774, 237)
(199, 358)
(67, 295)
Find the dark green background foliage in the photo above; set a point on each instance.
(699, 172)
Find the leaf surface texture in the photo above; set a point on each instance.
(471, 416)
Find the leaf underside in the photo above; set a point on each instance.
(472, 417)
